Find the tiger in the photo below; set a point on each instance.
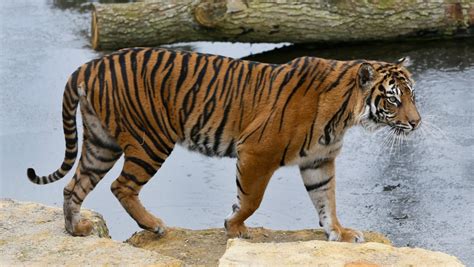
(141, 102)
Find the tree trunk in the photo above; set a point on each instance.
(156, 22)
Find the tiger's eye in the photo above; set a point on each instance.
(392, 99)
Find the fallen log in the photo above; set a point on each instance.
(156, 22)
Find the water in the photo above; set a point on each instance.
(420, 195)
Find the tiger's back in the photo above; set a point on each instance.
(202, 101)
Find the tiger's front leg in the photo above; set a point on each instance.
(254, 171)
(320, 182)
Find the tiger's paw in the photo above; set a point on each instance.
(154, 225)
(82, 228)
(236, 230)
(159, 230)
(346, 235)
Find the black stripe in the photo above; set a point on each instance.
(226, 77)
(282, 161)
(73, 80)
(316, 186)
(67, 117)
(77, 202)
(197, 63)
(69, 131)
(313, 74)
(71, 154)
(249, 134)
(92, 170)
(106, 105)
(316, 164)
(66, 166)
(239, 79)
(146, 58)
(100, 77)
(311, 131)
(164, 81)
(129, 99)
(156, 66)
(98, 142)
(71, 141)
(220, 129)
(99, 157)
(302, 149)
(150, 170)
(264, 127)
(132, 178)
(341, 75)
(325, 139)
(295, 89)
(145, 146)
(238, 170)
(286, 80)
(71, 145)
(68, 102)
(240, 186)
(87, 73)
(160, 143)
(230, 149)
(322, 76)
(182, 75)
(74, 195)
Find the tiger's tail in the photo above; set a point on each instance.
(70, 103)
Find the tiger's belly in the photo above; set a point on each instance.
(208, 146)
(317, 153)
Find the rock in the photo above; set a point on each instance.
(32, 233)
(321, 253)
(205, 247)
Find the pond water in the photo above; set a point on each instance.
(418, 194)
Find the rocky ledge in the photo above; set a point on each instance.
(33, 234)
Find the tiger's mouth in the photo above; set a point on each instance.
(398, 128)
(372, 124)
(401, 129)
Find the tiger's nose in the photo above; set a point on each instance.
(414, 123)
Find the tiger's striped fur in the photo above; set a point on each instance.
(141, 102)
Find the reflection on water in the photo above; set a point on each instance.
(419, 195)
(84, 5)
(439, 55)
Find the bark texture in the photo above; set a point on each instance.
(151, 23)
(156, 22)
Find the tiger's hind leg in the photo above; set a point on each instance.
(99, 154)
(139, 167)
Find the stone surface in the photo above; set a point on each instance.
(321, 253)
(34, 234)
(205, 247)
(31, 233)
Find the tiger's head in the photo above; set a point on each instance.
(390, 99)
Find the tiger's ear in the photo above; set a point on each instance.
(366, 76)
(404, 62)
